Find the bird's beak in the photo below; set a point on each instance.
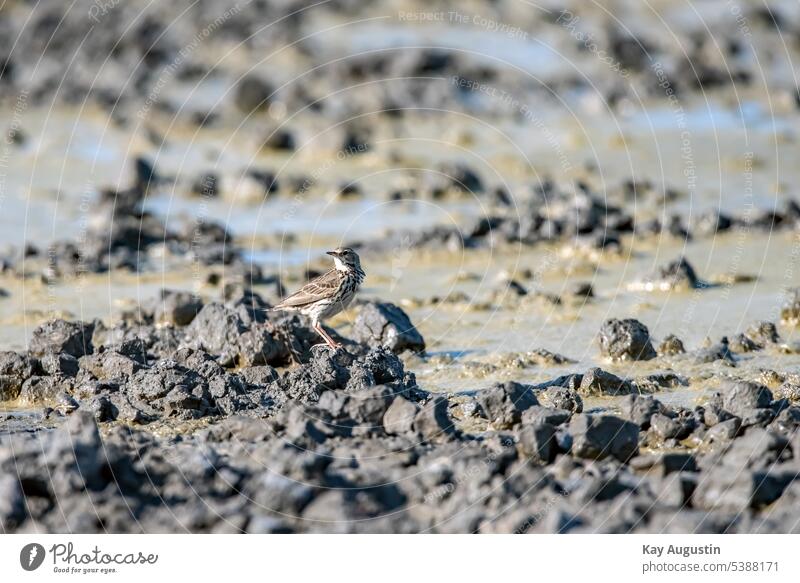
(332, 253)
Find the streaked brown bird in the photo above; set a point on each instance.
(325, 296)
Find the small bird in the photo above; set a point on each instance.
(325, 296)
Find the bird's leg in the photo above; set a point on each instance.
(328, 340)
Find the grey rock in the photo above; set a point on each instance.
(640, 409)
(73, 338)
(109, 365)
(670, 346)
(675, 275)
(763, 333)
(662, 464)
(257, 347)
(258, 375)
(561, 398)
(15, 369)
(399, 417)
(12, 503)
(724, 430)
(216, 329)
(39, 390)
(538, 414)
(60, 364)
(757, 449)
(740, 396)
(503, 403)
(433, 421)
(723, 489)
(601, 436)
(596, 381)
(538, 442)
(626, 340)
(176, 307)
(387, 325)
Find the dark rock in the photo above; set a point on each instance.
(206, 185)
(713, 414)
(757, 449)
(12, 503)
(73, 338)
(60, 364)
(39, 390)
(713, 353)
(259, 375)
(399, 417)
(257, 347)
(503, 403)
(670, 428)
(724, 430)
(600, 436)
(384, 324)
(596, 381)
(662, 464)
(433, 422)
(538, 442)
(561, 398)
(743, 344)
(670, 346)
(325, 371)
(626, 340)
(640, 409)
(676, 275)
(15, 369)
(723, 489)
(280, 139)
(176, 307)
(763, 333)
(741, 396)
(252, 94)
(538, 414)
(109, 365)
(216, 329)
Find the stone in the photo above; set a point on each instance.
(216, 329)
(15, 369)
(626, 340)
(640, 409)
(252, 94)
(433, 422)
(73, 338)
(561, 398)
(596, 381)
(741, 396)
(503, 403)
(538, 442)
(39, 390)
(670, 346)
(178, 308)
(676, 275)
(399, 417)
(60, 364)
(600, 436)
(387, 325)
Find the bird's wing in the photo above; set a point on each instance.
(316, 289)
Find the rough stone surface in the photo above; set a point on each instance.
(385, 324)
(626, 340)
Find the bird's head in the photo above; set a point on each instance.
(346, 259)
